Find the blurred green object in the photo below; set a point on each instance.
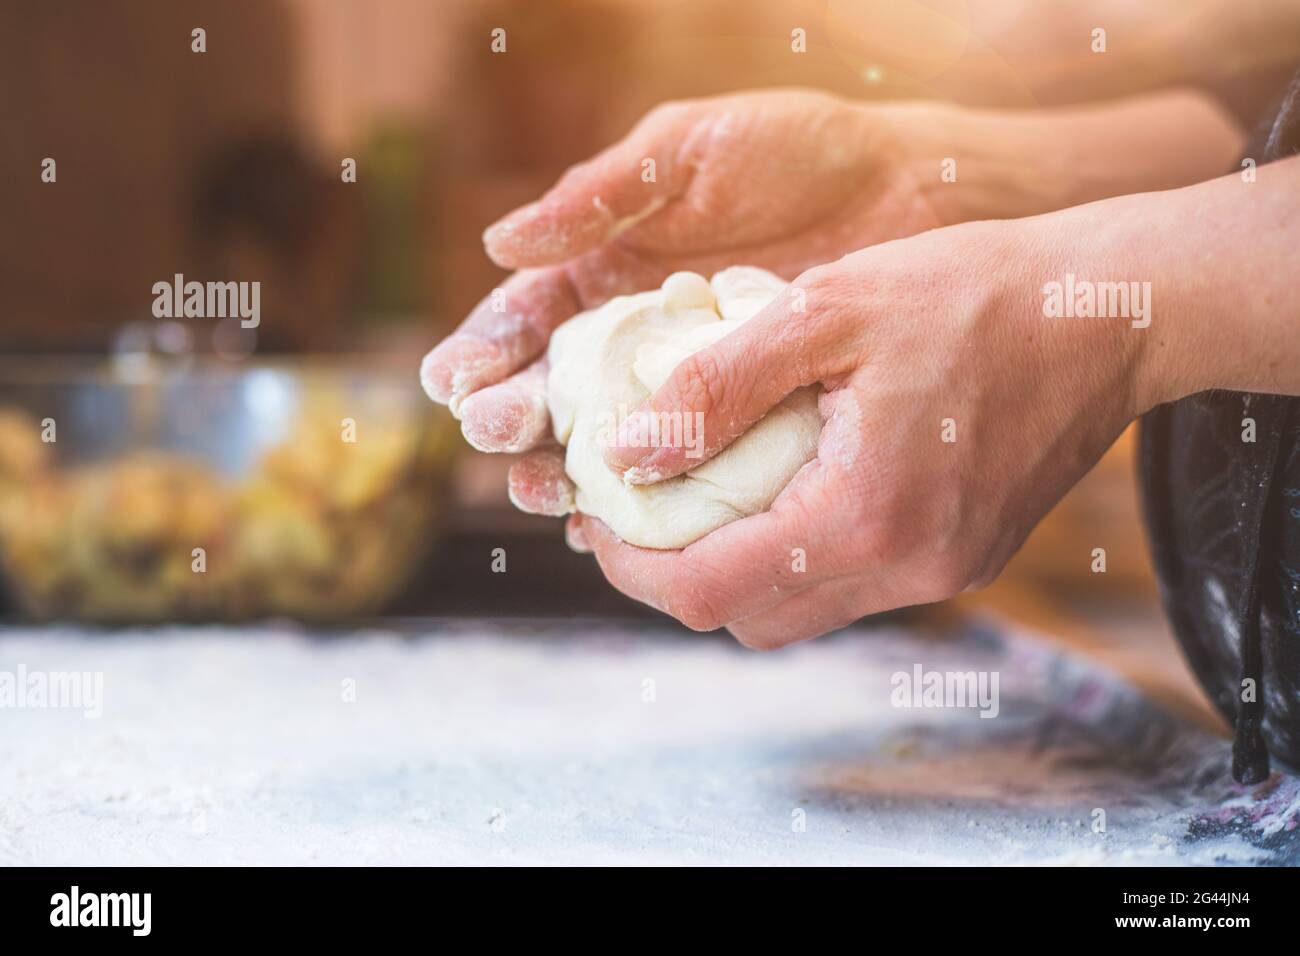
(212, 492)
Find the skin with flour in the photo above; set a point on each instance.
(836, 176)
(609, 360)
(940, 315)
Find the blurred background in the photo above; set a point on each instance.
(227, 164)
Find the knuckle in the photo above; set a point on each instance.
(696, 603)
(822, 287)
(696, 612)
(821, 323)
(617, 579)
(667, 110)
(984, 574)
(811, 279)
(705, 382)
(753, 639)
(575, 175)
(948, 575)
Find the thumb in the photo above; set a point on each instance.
(722, 390)
(595, 201)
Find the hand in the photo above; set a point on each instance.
(784, 180)
(781, 179)
(956, 414)
(947, 336)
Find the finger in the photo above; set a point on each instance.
(509, 328)
(575, 537)
(732, 384)
(512, 324)
(739, 570)
(811, 613)
(595, 201)
(821, 527)
(510, 417)
(538, 485)
(652, 577)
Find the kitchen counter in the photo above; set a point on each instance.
(479, 742)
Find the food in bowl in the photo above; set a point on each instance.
(314, 525)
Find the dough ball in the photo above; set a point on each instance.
(606, 362)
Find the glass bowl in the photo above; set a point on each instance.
(203, 491)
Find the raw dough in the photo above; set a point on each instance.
(607, 361)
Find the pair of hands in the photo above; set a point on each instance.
(955, 413)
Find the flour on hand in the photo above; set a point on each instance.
(606, 362)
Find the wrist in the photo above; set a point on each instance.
(1095, 309)
(1221, 258)
(1141, 273)
(960, 164)
(1005, 164)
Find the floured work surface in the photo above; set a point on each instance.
(604, 745)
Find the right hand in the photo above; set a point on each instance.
(955, 415)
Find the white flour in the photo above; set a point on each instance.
(470, 745)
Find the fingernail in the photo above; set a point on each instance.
(504, 229)
(642, 475)
(631, 445)
(455, 367)
(576, 538)
(496, 231)
(497, 421)
(435, 377)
